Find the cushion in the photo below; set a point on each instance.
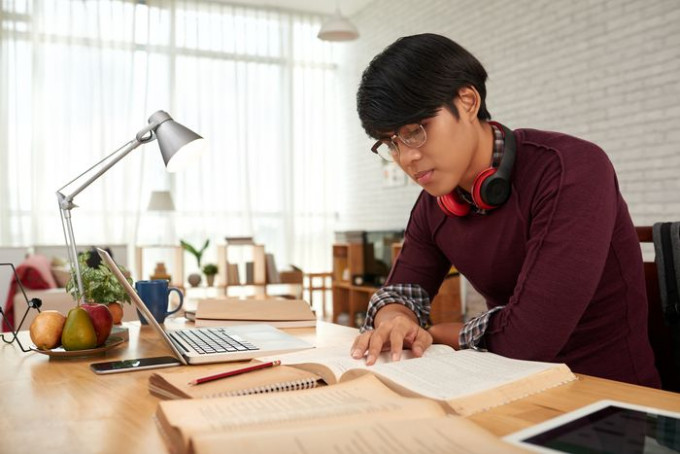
(61, 275)
(34, 273)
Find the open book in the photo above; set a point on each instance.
(174, 384)
(361, 412)
(466, 381)
(281, 313)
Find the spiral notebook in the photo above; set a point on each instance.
(174, 384)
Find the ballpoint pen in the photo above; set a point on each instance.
(231, 373)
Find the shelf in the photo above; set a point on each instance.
(176, 270)
(352, 299)
(348, 261)
(233, 268)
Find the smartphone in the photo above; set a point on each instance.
(128, 365)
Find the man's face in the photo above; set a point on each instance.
(444, 160)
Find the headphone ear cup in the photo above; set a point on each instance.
(479, 192)
(452, 205)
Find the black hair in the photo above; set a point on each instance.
(413, 78)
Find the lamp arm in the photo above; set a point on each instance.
(66, 201)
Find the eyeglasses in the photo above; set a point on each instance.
(413, 136)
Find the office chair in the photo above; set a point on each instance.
(663, 341)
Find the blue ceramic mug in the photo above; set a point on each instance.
(156, 295)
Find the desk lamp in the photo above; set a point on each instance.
(179, 146)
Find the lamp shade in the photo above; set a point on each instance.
(179, 145)
(338, 28)
(161, 201)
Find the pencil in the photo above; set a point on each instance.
(231, 373)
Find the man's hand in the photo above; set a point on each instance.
(396, 328)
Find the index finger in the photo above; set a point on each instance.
(396, 343)
(421, 343)
(360, 345)
(375, 344)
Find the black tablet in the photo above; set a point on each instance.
(605, 426)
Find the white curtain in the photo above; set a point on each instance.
(79, 78)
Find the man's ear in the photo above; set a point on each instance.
(468, 102)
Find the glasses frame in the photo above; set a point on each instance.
(394, 147)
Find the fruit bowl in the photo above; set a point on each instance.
(110, 343)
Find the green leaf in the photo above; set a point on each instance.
(195, 252)
(99, 284)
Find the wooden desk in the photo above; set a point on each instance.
(57, 405)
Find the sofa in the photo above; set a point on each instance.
(43, 276)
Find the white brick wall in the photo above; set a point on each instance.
(607, 71)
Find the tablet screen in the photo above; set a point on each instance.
(613, 428)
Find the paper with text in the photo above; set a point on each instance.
(366, 397)
(337, 360)
(451, 435)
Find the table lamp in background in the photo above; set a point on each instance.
(179, 146)
(161, 201)
(161, 207)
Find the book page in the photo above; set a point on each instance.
(332, 362)
(446, 435)
(468, 373)
(363, 399)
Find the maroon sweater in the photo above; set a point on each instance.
(562, 255)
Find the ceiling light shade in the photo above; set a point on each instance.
(338, 28)
(161, 201)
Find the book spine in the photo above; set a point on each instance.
(306, 383)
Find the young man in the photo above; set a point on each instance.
(533, 219)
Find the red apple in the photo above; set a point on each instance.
(101, 319)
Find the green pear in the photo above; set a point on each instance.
(78, 333)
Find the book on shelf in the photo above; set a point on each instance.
(281, 313)
(232, 274)
(250, 273)
(175, 384)
(273, 276)
(466, 381)
(362, 412)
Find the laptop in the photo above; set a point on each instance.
(214, 344)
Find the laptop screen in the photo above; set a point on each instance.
(139, 304)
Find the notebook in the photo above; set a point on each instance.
(211, 345)
(174, 384)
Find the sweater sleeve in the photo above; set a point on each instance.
(419, 270)
(421, 262)
(572, 221)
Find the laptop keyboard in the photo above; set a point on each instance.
(213, 340)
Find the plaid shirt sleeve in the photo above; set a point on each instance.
(410, 295)
(472, 334)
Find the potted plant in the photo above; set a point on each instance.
(100, 286)
(210, 270)
(195, 278)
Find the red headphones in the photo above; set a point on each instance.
(491, 187)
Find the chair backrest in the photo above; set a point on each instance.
(660, 335)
